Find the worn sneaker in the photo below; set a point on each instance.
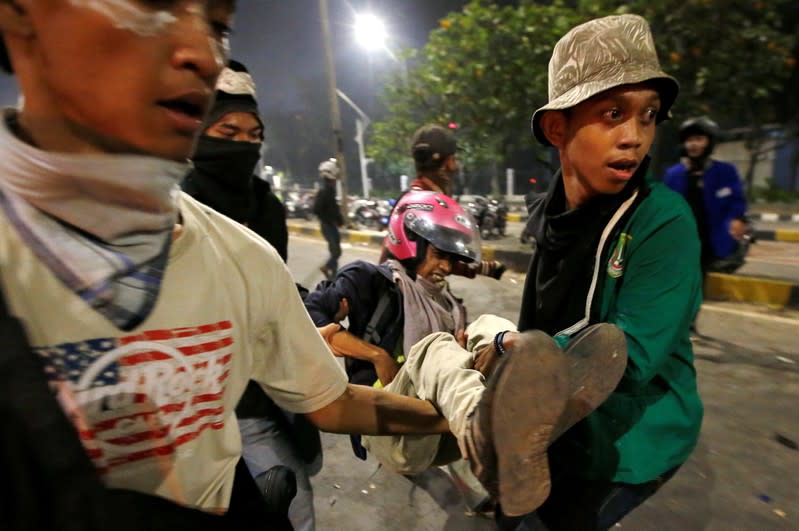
(529, 399)
(508, 434)
(597, 358)
(505, 438)
(519, 372)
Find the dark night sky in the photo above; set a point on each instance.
(280, 42)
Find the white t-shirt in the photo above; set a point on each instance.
(155, 406)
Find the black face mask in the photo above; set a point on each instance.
(229, 163)
(222, 176)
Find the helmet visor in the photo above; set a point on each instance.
(459, 237)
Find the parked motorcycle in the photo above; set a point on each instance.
(495, 220)
(364, 212)
(491, 216)
(299, 205)
(476, 206)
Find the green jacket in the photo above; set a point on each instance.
(649, 284)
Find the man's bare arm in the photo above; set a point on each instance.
(370, 411)
(343, 343)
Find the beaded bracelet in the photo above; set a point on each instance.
(498, 343)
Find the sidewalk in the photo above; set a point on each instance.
(751, 285)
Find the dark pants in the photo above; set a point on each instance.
(331, 234)
(247, 504)
(581, 505)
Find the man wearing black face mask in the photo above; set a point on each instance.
(224, 162)
(225, 159)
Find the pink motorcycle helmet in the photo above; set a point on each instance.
(435, 218)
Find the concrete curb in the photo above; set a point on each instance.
(773, 216)
(735, 288)
(740, 288)
(779, 235)
(352, 236)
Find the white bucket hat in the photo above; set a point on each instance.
(599, 55)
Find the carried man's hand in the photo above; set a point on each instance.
(462, 338)
(486, 359)
(386, 368)
(487, 356)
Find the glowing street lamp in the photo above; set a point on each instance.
(370, 32)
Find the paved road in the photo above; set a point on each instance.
(770, 259)
(739, 478)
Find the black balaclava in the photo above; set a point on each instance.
(222, 176)
(223, 169)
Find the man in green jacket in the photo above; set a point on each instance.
(613, 248)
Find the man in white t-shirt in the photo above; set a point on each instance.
(149, 311)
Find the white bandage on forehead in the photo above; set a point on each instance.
(126, 15)
(238, 83)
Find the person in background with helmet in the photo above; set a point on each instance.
(433, 149)
(362, 284)
(714, 192)
(407, 333)
(223, 178)
(330, 219)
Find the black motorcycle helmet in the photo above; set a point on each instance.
(701, 125)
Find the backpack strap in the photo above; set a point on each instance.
(379, 317)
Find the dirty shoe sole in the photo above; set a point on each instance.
(597, 358)
(529, 397)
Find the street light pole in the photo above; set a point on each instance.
(361, 123)
(335, 115)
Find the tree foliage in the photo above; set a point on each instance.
(732, 57)
(734, 60)
(485, 68)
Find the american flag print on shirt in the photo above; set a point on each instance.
(141, 397)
